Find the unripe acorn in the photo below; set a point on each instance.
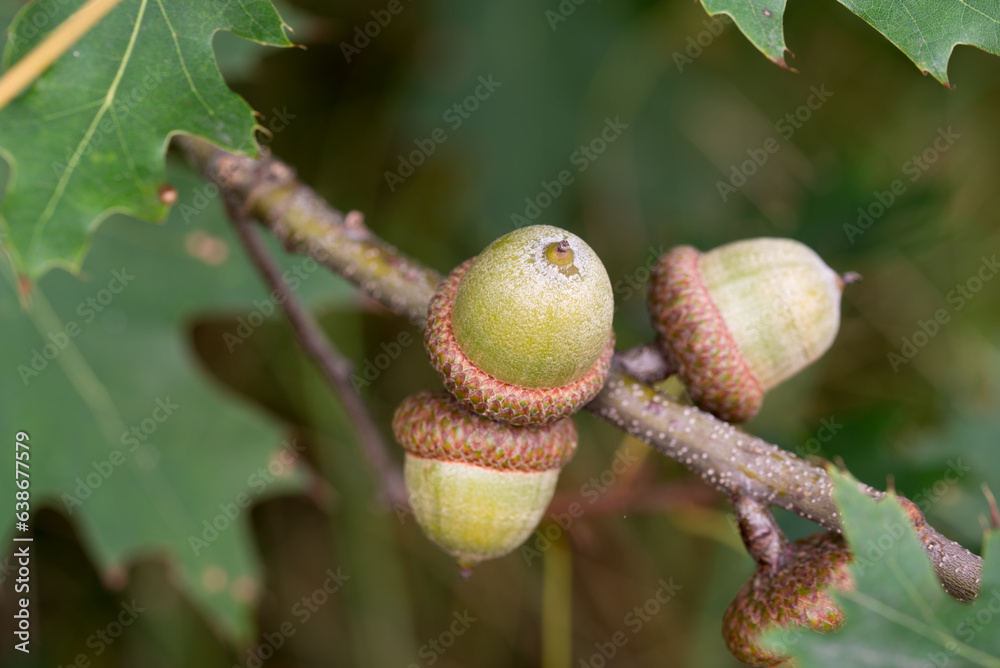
(522, 332)
(477, 487)
(739, 319)
(792, 592)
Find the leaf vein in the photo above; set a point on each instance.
(74, 160)
(183, 63)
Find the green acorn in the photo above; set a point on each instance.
(794, 591)
(522, 332)
(741, 318)
(478, 487)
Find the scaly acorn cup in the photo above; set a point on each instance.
(741, 318)
(522, 332)
(793, 592)
(478, 487)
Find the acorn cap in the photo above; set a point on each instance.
(489, 396)
(478, 488)
(793, 592)
(739, 319)
(433, 425)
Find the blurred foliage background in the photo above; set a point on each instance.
(689, 120)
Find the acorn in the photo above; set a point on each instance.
(522, 332)
(738, 320)
(792, 592)
(478, 487)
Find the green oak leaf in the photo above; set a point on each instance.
(130, 436)
(927, 31)
(88, 137)
(761, 21)
(899, 615)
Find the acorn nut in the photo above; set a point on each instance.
(478, 488)
(522, 332)
(793, 592)
(739, 319)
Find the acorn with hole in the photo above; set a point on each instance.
(522, 332)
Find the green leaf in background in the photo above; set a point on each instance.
(899, 615)
(88, 138)
(130, 437)
(762, 21)
(927, 31)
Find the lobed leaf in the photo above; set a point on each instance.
(88, 138)
(899, 615)
(927, 31)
